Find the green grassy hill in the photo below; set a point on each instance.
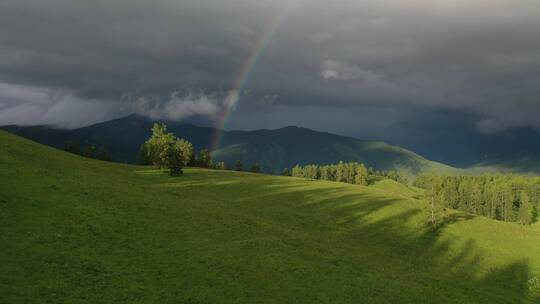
(75, 230)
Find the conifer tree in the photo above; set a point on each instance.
(525, 209)
(361, 177)
(340, 173)
(143, 156)
(72, 147)
(238, 165)
(204, 159)
(255, 168)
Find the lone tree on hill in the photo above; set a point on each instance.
(156, 144)
(165, 150)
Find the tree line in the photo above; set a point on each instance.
(164, 150)
(89, 150)
(344, 172)
(504, 197)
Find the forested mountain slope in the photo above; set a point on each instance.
(274, 150)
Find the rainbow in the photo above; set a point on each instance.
(233, 96)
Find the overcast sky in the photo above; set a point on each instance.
(381, 69)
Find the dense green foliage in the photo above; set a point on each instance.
(255, 168)
(88, 150)
(504, 197)
(164, 150)
(77, 230)
(351, 173)
(238, 165)
(219, 166)
(204, 160)
(286, 172)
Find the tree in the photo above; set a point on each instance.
(220, 166)
(143, 156)
(159, 140)
(205, 159)
(361, 175)
(165, 150)
(72, 147)
(286, 172)
(89, 150)
(476, 198)
(350, 172)
(504, 197)
(102, 154)
(311, 171)
(186, 149)
(325, 172)
(340, 173)
(171, 157)
(255, 168)
(297, 171)
(361, 180)
(435, 206)
(423, 181)
(238, 165)
(525, 209)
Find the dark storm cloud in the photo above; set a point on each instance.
(165, 58)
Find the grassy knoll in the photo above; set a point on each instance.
(75, 230)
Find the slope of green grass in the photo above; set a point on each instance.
(74, 230)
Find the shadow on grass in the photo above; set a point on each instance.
(342, 219)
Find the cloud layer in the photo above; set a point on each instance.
(480, 58)
(180, 107)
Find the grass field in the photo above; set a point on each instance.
(75, 230)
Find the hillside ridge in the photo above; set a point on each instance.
(272, 149)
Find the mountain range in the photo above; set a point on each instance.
(273, 150)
